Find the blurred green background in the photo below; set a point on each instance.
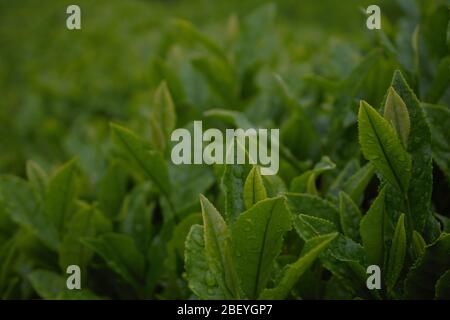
(60, 88)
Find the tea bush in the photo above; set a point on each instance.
(87, 178)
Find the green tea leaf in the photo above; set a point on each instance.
(233, 182)
(350, 216)
(218, 249)
(309, 226)
(419, 146)
(418, 245)
(343, 248)
(397, 254)
(163, 117)
(312, 205)
(294, 271)
(164, 109)
(60, 196)
(372, 230)
(381, 146)
(19, 200)
(149, 161)
(257, 237)
(254, 190)
(201, 278)
(396, 113)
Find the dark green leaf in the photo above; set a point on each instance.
(257, 238)
(381, 146)
(397, 254)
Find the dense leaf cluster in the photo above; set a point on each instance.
(364, 162)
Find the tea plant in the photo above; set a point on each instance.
(363, 181)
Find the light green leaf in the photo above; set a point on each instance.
(233, 181)
(121, 255)
(372, 230)
(418, 245)
(397, 254)
(381, 146)
(218, 250)
(294, 271)
(60, 196)
(350, 216)
(419, 146)
(254, 190)
(163, 117)
(201, 278)
(164, 109)
(257, 237)
(149, 161)
(396, 113)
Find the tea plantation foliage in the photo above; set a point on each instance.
(87, 178)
